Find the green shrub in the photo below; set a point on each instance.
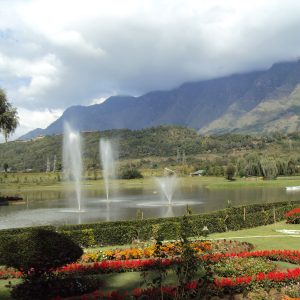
(55, 287)
(38, 251)
(131, 173)
(83, 238)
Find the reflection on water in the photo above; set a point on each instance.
(52, 207)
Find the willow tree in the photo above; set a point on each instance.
(8, 116)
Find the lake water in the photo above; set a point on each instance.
(55, 207)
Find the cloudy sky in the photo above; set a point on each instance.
(58, 53)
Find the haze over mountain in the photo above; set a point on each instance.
(256, 102)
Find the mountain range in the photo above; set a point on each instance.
(257, 102)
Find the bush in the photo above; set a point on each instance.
(38, 251)
(83, 238)
(131, 173)
(230, 171)
(55, 287)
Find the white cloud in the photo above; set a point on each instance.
(32, 119)
(98, 100)
(41, 74)
(58, 53)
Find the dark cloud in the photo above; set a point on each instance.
(73, 52)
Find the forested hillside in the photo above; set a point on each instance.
(164, 146)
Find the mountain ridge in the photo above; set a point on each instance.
(234, 103)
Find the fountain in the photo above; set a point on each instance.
(72, 161)
(167, 186)
(57, 209)
(108, 163)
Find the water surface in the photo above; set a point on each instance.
(45, 207)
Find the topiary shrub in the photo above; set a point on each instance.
(37, 253)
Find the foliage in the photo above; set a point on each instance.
(189, 262)
(83, 238)
(269, 168)
(62, 286)
(235, 267)
(159, 147)
(8, 116)
(36, 254)
(130, 173)
(156, 279)
(230, 171)
(38, 251)
(293, 216)
(5, 167)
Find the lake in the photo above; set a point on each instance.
(43, 206)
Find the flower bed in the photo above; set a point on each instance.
(6, 273)
(236, 266)
(293, 216)
(222, 285)
(219, 286)
(169, 250)
(110, 266)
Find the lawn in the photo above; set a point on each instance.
(265, 237)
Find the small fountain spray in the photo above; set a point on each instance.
(167, 186)
(72, 161)
(108, 163)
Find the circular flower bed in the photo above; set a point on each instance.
(235, 267)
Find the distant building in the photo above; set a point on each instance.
(197, 173)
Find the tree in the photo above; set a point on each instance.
(5, 166)
(268, 167)
(230, 170)
(8, 116)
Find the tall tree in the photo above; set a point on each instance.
(8, 116)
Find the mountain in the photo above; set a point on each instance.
(255, 102)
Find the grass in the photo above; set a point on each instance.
(4, 291)
(15, 182)
(265, 237)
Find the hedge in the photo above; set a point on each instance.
(123, 232)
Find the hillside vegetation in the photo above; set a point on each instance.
(164, 146)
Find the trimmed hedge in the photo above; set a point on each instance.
(123, 232)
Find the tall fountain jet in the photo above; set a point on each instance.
(108, 163)
(72, 160)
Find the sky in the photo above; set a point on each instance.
(59, 53)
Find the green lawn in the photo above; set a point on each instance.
(40, 181)
(4, 291)
(265, 237)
